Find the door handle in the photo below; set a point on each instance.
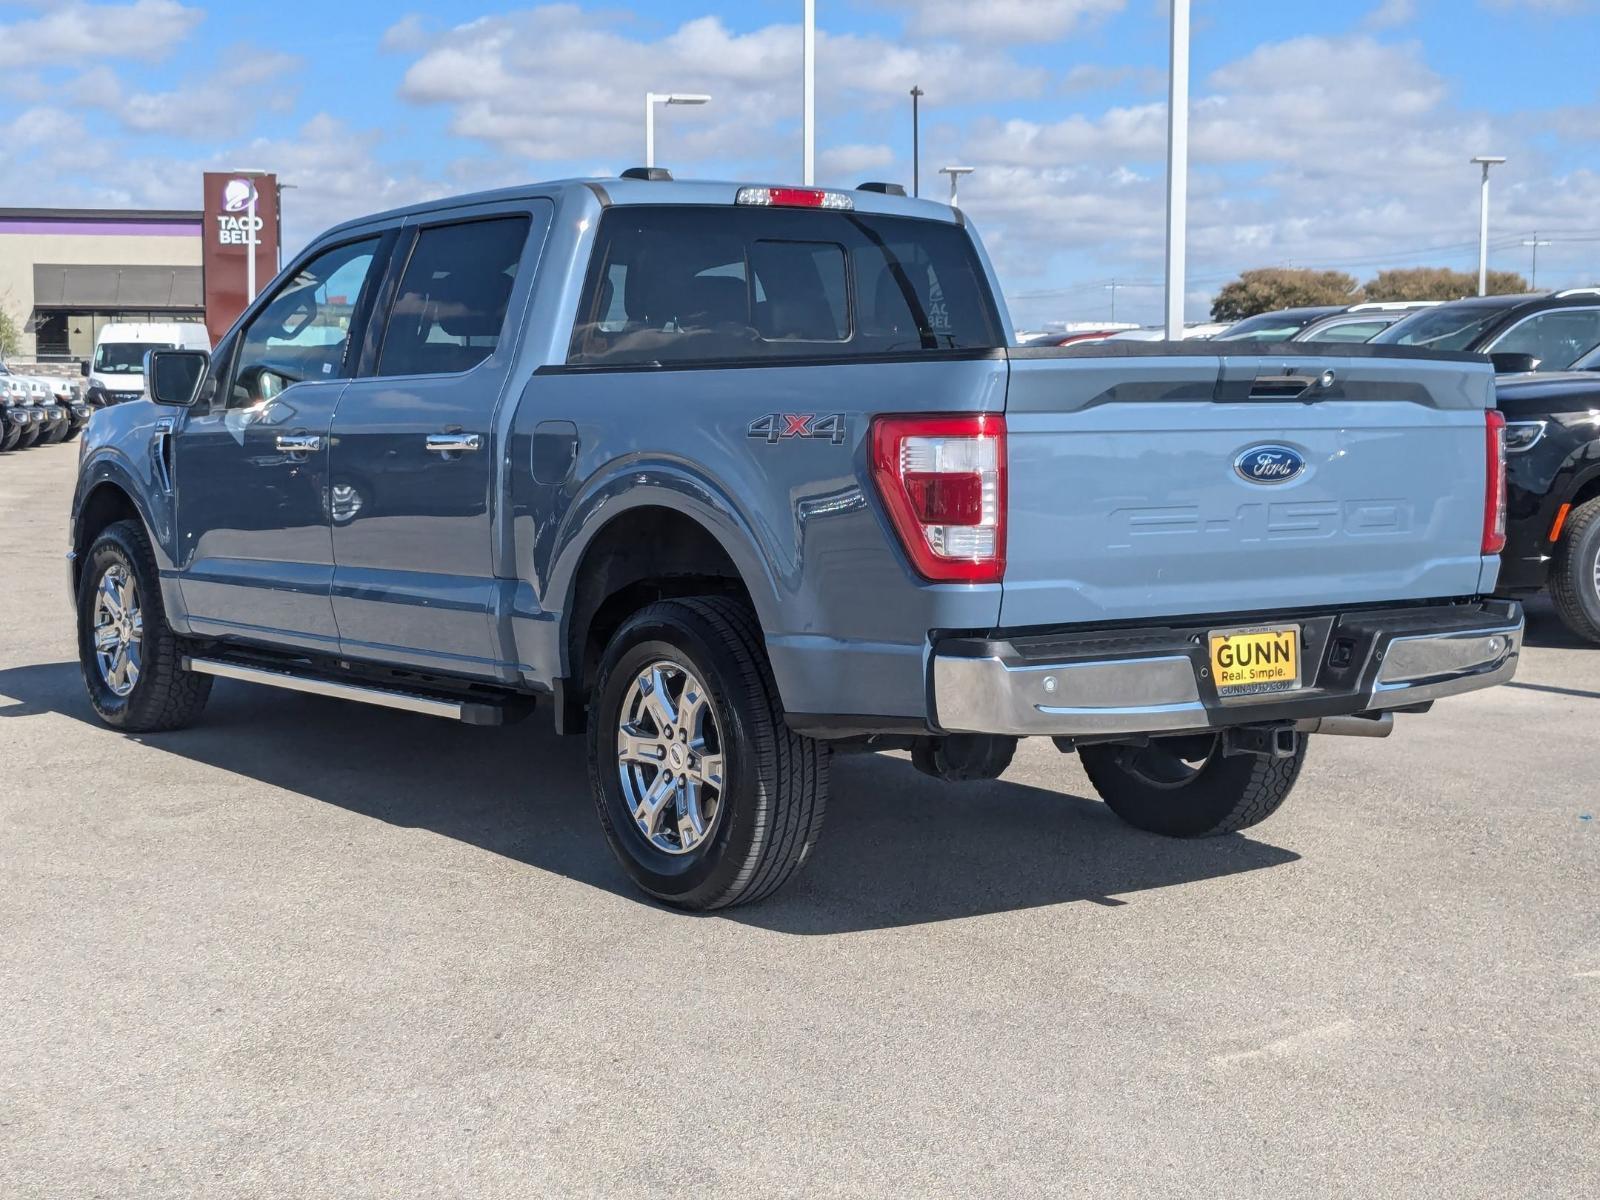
(454, 443)
(298, 443)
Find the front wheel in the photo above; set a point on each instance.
(707, 798)
(131, 662)
(1187, 787)
(1575, 573)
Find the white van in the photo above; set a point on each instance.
(117, 366)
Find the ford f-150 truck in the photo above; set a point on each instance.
(733, 477)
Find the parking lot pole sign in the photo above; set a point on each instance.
(810, 97)
(1177, 169)
(1486, 161)
(240, 245)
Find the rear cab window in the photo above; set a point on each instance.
(679, 284)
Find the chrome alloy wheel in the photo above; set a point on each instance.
(669, 756)
(118, 630)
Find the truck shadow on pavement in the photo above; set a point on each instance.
(897, 848)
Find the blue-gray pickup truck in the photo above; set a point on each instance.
(734, 477)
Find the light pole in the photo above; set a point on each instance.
(651, 99)
(1485, 161)
(955, 174)
(810, 163)
(1177, 169)
(916, 140)
(1535, 243)
(251, 241)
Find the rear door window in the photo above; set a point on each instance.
(1557, 338)
(686, 284)
(451, 306)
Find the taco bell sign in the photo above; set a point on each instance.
(241, 243)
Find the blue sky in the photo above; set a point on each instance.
(1331, 134)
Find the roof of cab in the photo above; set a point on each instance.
(618, 191)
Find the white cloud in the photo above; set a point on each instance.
(1391, 14)
(145, 29)
(1025, 21)
(841, 161)
(555, 82)
(219, 105)
(1294, 163)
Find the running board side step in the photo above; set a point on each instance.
(468, 712)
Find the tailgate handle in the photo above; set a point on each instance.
(1292, 387)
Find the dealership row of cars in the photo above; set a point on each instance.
(39, 410)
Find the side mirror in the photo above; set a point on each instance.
(174, 376)
(83, 368)
(1506, 363)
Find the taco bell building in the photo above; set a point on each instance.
(64, 273)
(67, 272)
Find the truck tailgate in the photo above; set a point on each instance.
(1130, 495)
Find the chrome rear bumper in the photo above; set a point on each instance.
(1356, 663)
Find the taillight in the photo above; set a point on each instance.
(943, 481)
(1494, 498)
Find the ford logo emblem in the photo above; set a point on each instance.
(1269, 464)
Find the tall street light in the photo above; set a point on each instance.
(955, 174)
(651, 99)
(1485, 161)
(916, 140)
(810, 164)
(1177, 169)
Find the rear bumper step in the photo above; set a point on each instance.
(1156, 681)
(467, 711)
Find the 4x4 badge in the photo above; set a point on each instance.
(775, 427)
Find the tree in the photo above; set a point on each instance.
(1440, 283)
(10, 337)
(1272, 288)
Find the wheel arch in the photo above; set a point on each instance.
(652, 539)
(106, 502)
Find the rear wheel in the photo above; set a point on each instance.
(707, 798)
(1575, 574)
(130, 658)
(1187, 787)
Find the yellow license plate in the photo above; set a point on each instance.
(1251, 662)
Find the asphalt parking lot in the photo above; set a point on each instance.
(309, 949)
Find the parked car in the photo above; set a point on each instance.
(731, 475)
(29, 421)
(1278, 326)
(1361, 322)
(13, 416)
(1058, 338)
(1544, 331)
(1553, 492)
(115, 371)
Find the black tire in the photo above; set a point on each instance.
(29, 436)
(1575, 574)
(164, 696)
(54, 434)
(1154, 789)
(770, 808)
(11, 433)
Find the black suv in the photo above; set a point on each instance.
(1553, 490)
(1544, 331)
